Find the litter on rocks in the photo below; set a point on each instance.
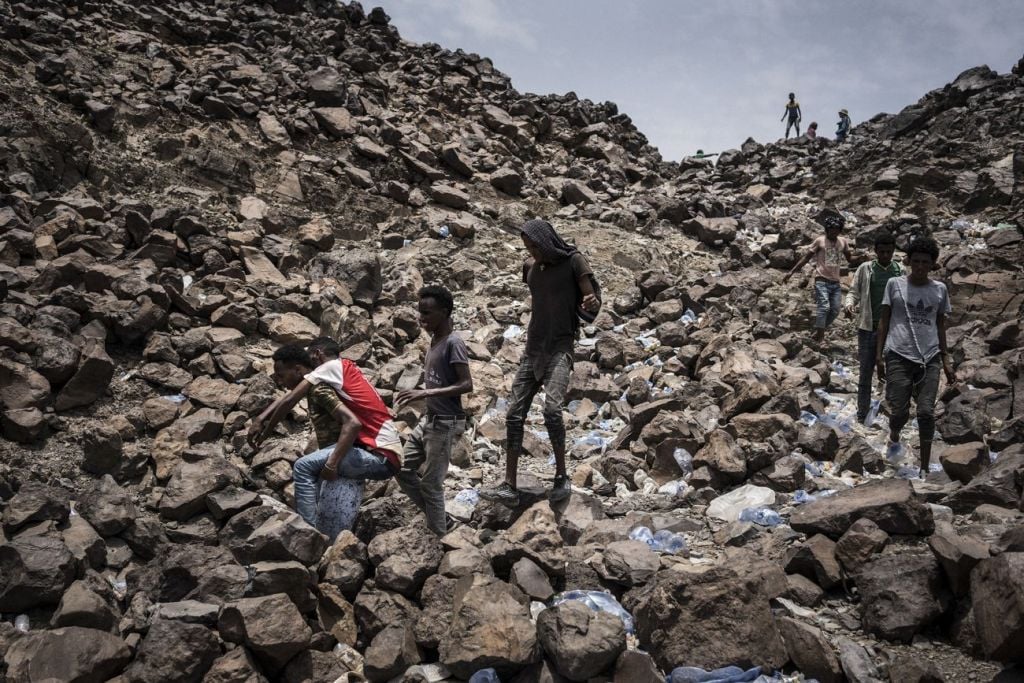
(599, 601)
(662, 541)
(513, 332)
(728, 507)
(761, 516)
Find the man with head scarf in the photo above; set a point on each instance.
(562, 289)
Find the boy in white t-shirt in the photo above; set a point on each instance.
(831, 254)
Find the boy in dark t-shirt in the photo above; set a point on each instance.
(446, 378)
(559, 277)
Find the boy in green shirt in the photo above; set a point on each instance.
(866, 294)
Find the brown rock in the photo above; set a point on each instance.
(72, 654)
(997, 593)
(581, 643)
(862, 540)
(809, 650)
(889, 503)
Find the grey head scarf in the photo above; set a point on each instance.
(551, 245)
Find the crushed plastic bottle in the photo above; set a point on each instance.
(993, 456)
(761, 516)
(823, 395)
(684, 459)
(840, 370)
(808, 419)
(872, 415)
(679, 487)
(894, 451)
(406, 243)
(599, 601)
(485, 676)
(908, 472)
(814, 469)
(801, 497)
(727, 674)
(513, 332)
(688, 317)
(642, 534)
(176, 399)
(22, 623)
(445, 232)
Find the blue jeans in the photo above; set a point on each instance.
(357, 464)
(828, 296)
(866, 358)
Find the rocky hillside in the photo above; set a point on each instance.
(186, 185)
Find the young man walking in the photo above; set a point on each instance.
(866, 295)
(912, 345)
(446, 378)
(355, 434)
(560, 282)
(831, 254)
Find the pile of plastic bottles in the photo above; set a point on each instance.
(663, 541)
(599, 601)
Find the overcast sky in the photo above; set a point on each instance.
(710, 74)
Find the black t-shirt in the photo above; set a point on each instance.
(439, 371)
(553, 323)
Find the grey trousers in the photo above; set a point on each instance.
(425, 462)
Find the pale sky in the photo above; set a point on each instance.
(710, 74)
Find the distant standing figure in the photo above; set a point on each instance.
(843, 127)
(793, 114)
(830, 253)
(812, 130)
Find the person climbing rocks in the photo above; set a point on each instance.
(911, 347)
(865, 298)
(830, 253)
(843, 126)
(812, 131)
(793, 114)
(356, 437)
(446, 378)
(561, 282)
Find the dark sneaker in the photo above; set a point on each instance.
(502, 493)
(450, 523)
(560, 490)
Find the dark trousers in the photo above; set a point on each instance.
(906, 379)
(866, 341)
(524, 387)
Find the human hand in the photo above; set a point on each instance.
(849, 311)
(329, 473)
(408, 396)
(255, 435)
(590, 303)
(947, 367)
(880, 368)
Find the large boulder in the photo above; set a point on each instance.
(277, 537)
(174, 651)
(270, 626)
(889, 503)
(190, 484)
(36, 502)
(581, 642)
(901, 594)
(405, 558)
(709, 619)
(491, 627)
(70, 655)
(997, 594)
(998, 484)
(107, 507)
(34, 570)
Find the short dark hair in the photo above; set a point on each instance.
(293, 354)
(924, 245)
(830, 218)
(439, 294)
(328, 346)
(885, 237)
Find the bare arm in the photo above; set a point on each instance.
(463, 385)
(883, 332)
(275, 412)
(350, 426)
(853, 294)
(800, 264)
(947, 364)
(590, 302)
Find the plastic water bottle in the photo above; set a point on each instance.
(444, 232)
(908, 472)
(674, 488)
(662, 537)
(485, 676)
(822, 394)
(642, 533)
(813, 469)
(21, 623)
(872, 415)
(676, 544)
(684, 459)
(808, 419)
(761, 516)
(801, 497)
(688, 317)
